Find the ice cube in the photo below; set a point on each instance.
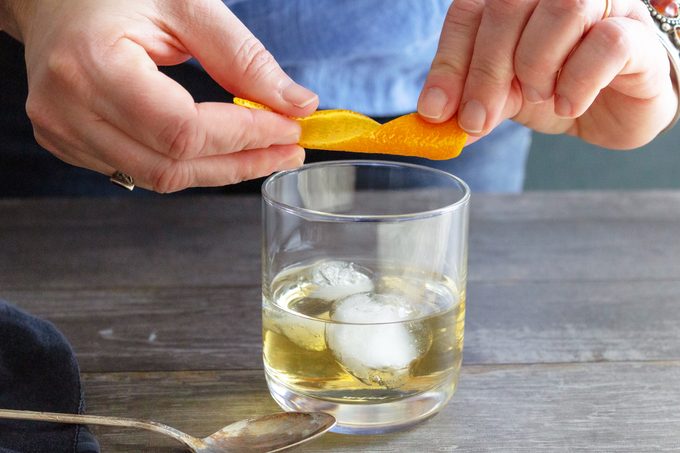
(332, 280)
(304, 332)
(301, 323)
(372, 338)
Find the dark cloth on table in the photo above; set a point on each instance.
(39, 372)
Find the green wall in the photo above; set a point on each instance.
(563, 163)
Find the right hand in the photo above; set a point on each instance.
(97, 100)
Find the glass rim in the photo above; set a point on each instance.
(312, 214)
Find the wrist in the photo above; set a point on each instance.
(15, 16)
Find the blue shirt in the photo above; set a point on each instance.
(372, 56)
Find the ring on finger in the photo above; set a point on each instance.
(124, 180)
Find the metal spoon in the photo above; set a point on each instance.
(274, 432)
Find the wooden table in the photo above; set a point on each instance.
(572, 337)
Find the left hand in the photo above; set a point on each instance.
(556, 66)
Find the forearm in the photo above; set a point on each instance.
(14, 15)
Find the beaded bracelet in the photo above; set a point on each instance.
(666, 15)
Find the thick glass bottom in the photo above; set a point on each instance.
(368, 418)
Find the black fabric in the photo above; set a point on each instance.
(38, 372)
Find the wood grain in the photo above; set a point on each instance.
(571, 335)
(622, 407)
(507, 322)
(214, 241)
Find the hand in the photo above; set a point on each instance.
(97, 100)
(555, 66)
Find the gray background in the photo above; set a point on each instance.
(561, 162)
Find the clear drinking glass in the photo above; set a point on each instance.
(364, 273)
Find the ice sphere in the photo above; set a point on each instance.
(332, 280)
(299, 325)
(381, 344)
(304, 332)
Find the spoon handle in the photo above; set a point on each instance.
(148, 425)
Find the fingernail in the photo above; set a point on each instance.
(472, 117)
(298, 95)
(433, 102)
(531, 95)
(562, 107)
(291, 138)
(292, 163)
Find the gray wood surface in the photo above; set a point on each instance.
(617, 407)
(218, 328)
(212, 242)
(572, 329)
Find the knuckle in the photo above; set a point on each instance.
(42, 139)
(245, 172)
(462, 11)
(37, 111)
(560, 8)
(577, 84)
(531, 67)
(170, 176)
(246, 136)
(47, 131)
(614, 40)
(63, 68)
(181, 137)
(488, 73)
(195, 11)
(235, 178)
(255, 61)
(448, 67)
(504, 6)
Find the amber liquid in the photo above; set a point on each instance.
(312, 349)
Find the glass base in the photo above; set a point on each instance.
(367, 418)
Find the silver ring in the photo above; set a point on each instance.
(121, 179)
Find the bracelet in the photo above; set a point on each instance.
(666, 15)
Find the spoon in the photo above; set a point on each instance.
(269, 433)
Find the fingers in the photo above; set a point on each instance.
(102, 104)
(157, 111)
(236, 59)
(491, 72)
(160, 173)
(615, 47)
(555, 28)
(100, 146)
(496, 54)
(443, 89)
(472, 72)
(250, 164)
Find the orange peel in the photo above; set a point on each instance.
(345, 130)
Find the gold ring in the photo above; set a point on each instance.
(121, 179)
(607, 9)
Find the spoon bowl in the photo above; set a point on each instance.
(269, 433)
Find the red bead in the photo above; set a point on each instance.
(668, 8)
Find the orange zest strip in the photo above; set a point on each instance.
(408, 135)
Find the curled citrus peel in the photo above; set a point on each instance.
(408, 135)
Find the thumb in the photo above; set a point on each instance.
(236, 59)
